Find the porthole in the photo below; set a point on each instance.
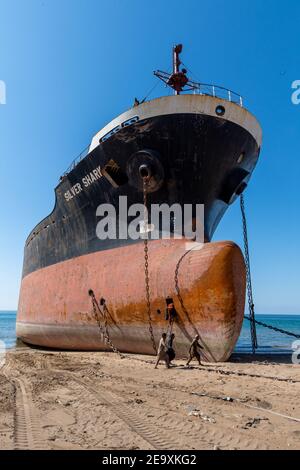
(220, 110)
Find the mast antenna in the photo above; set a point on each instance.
(178, 79)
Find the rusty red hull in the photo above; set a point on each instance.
(55, 309)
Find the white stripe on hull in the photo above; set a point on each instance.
(186, 104)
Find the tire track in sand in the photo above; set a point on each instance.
(26, 424)
(123, 412)
(195, 432)
(205, 435)
(112, 401)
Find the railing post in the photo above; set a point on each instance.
(214, 93)
(241, 101)
(229, 95)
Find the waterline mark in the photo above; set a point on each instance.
(2, 92)
(163, 221)
(296, 94)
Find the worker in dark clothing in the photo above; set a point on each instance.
(193, 351)
(170, 349)
(170, 312)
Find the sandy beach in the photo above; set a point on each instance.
(76, 400)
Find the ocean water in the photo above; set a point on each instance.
(268, 341)
(8, 328)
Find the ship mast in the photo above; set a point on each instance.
(177, 80)
(176, 64)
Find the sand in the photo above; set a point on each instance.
(88, 400)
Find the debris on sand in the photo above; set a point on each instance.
(252, 423)
(192, 411)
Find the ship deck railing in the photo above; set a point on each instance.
(218, 92)
(76, 160)
(198, 89)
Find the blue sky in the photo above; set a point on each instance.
(71, 66)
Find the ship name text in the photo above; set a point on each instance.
(86, 181)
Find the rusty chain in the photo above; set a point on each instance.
(274, 328)
(177, 288)
(146, 268)
(251, 317)
(177, 285)
(248, 277)
(103, 329)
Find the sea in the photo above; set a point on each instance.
(269, 341)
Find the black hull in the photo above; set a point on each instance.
(200, 158)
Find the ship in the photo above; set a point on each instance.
(197, 145)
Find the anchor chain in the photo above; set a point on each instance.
(251, 317)
(176, 280)
(103, 328)
(177, 288)
(248, 277)
(146, 266)
(274, 328)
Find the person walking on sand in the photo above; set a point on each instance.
(162, 352)
(170, 349)
(193, 351)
